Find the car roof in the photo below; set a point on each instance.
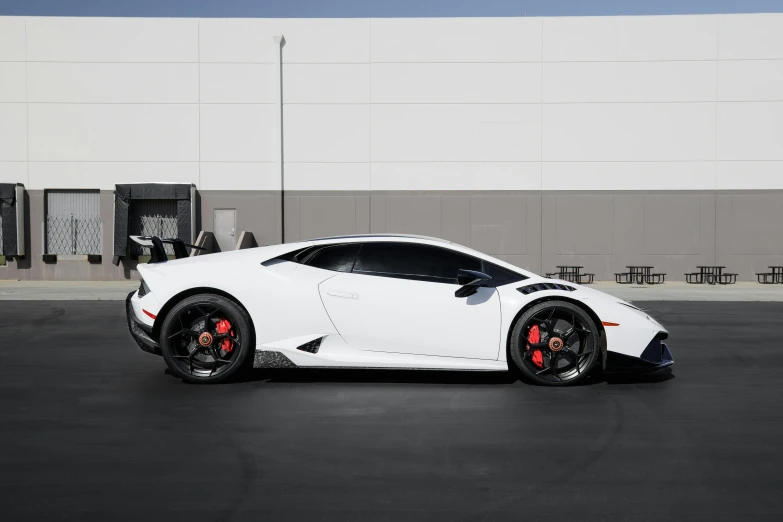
(381, 236)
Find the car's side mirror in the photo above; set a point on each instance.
(470, 281)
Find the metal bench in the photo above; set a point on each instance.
(710, 275)
(572, 274)
(771, 278)
(640, 275)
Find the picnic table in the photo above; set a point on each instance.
(769, 278)
(572, 274)
(710, 274)
(639, 274)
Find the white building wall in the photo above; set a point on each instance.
(613, 103)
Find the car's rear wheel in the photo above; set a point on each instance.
(206, 338)
(555, 343)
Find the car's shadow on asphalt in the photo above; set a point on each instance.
(311, 375)
(657, 376)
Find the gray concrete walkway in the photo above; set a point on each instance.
(677, 291)
(65, 290)
(681, 291)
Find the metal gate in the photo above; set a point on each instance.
(153, 217)
(73, 222)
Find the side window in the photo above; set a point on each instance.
(337, 258)
(501, 276)
(413, 261)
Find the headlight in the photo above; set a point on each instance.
(143, 289)
(642, 312)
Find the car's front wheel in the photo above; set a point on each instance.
(555, 343)
(206, 338)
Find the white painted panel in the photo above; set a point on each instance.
(13, 132)
(750, 175)
(327, 176)
(750, 131)
(113, 82)
(456, 132)
(331, 40)
(12, 82)
(629, 132)
(327, 133)
(750, 80)
(238, 40)
(326, 40)
(668, 175)
(13, 172)
(457, 176)
(238, 83)
(12, 46)
(238, 132)
(629, 81)
(456, 83)
(456, 40)
(751, 36)
(104, 175)
(61, 39)
(239, 176)
(326, 83)
(135, 132)
(629, 38)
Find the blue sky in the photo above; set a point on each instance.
(378, 8)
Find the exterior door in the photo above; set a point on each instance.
(399, 298)
(225, 222)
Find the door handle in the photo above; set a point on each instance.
(344, 295)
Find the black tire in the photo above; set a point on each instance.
(183, 330)
(574, 358)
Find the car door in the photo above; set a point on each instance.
(399, 297)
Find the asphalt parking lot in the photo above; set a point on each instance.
(91, 429)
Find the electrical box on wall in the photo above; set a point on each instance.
(12, 221)
(20, 245)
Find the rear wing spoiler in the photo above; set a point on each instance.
(158, 251)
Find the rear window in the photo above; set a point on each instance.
(337, 258)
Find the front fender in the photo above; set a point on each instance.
(628, 330)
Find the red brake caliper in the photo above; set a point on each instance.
(222, 327)
(534, 337)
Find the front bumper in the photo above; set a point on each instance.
(140, 332)
(656, 356)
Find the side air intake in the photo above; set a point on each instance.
(538, 287)
(312, 346)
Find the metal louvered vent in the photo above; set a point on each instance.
(312, 346)
(73, 222)
(537, 287)
(153, 217)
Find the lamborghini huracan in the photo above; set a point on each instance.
(379, 301)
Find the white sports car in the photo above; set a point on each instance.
(380, 301)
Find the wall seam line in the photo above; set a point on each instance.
(198, 90)
(715, 185)
(26, 106)
(541, 150)
(369, 174)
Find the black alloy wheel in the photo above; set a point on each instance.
(206, 338)
(555, 343)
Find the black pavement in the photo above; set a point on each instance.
(91, 429)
